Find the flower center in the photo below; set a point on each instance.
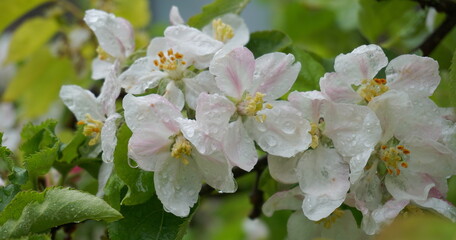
(328, 221)
(372, 88)
(103, 55)
(222, 31)
(250, 105)
(91, 129)
(315, 133)
(172, 63)
(394, 157)
(181, 149)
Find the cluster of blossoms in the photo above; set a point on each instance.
(199, 102)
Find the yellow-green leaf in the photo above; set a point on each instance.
(135, 11)
(12, 10)
(30, 36)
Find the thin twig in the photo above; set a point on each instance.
(433, 40)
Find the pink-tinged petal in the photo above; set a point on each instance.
(175, 17)
(323, 178)
(81, 102)
(275, 73)
(418, 76)
(284, 132)
(284, 169)
(431, 157)
(152, 112)
(109, 138)
(353, 129)
(204, 142)
(239, 147)
(114, 34)
(286, 200)
(213, 112)
(110, 90)
(149, 149)
(100, 68)
(441, 206)
(141, 75)
(177, 186)
(372, 223)
(234, 72)
(203, 82)
(195, 44)
(335, 88)
(309, 103)
(362, 63)
(409, 185)
(216, 171)
(174, 95)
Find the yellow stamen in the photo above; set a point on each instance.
(394, 157)
(331, 219)
(181, 149)
(102, 54)
(315, 133)
(372, 88)
(171, 62)
(222, 31)
(91, 129)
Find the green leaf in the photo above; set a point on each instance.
(39, 163)
(70, 152)
(6, 154)
(215, 9)
(135, 11)
(393, 23)
(42, 73)
(452, 78)
(113, 191)
(34, 237)
(39, 29)
(140, 183)
(267, 41)
(34, 212)
(7, 194)
(311, 70)
(18, 176)
(12, 10)
(148, 221)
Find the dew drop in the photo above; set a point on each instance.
(269, 141)
(288, 127)
(132, 163)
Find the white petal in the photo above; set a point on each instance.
(149, 149)
(241, 32)
(216, 171)
(175, 17)
(323, 177)
(141, 76)
(286, 200)
(203, 82)
(335, 87)
(372, 223)
(418, 76)
(100, 68)
(193, 43)
(177, 186)
(283, 169)
(309, 103)
(114, 34)
(174, 95)
(109, 138)
(357, 164)
(284, 132)
(362, 63)
(103, 176)
(367, 192)
(234, 72)
(81, 102)
(353, 129)
(110, 90)
(275, 73)
(409, 186)
(214, 112)
(441, 206)
(239, 147)
(203, 141)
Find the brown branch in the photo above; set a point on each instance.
(433, 40)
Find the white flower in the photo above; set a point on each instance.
(249, 83)
(169, 145)
(115, 36)
(98, 115)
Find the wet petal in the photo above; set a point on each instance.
(203, 82)
(409, 185)
(239, 147)
(174, 95)
(309, 103)
(216, 171)
(141, 76)
(285, 200)
(109, 138)
(283, 169)
(335, 88)
(100, 68)
(81, 102)
(110, 90)
(175, 17)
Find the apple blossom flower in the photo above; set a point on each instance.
(115, 36)
(181, 152)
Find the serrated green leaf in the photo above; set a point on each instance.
(6, 154)
(215, 9)
(39, 29)
(18, 176)
(267, 41)
(311, 70)
(139, 182)
(7, 194)
(148, 221)
(34, 212)
(135, 11)
(39, 163)
(12, 10)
